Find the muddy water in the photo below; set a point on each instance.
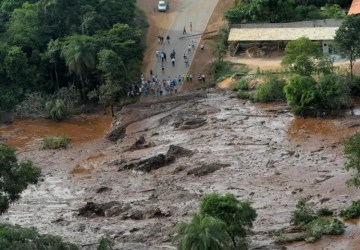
(80, 129)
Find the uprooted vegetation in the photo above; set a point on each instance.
(310, 225)
(353, 211)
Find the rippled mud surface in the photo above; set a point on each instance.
(273, 157)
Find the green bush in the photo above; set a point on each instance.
(332, 93)
(324, 212)
(271, 90)
(52, 142)
(56, 109)
(323, 226)
(105, 243)
(16, 237)
(241, 85)
(353, 211)
(301, 94)
(242, 94)
(352, 154)
(303, 214)
(220, 69)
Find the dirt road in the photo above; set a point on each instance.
(173, 23)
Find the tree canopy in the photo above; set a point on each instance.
(348, 39)
(46, 45)
(15, 177)
(285, 11)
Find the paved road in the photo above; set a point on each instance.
(196, 11)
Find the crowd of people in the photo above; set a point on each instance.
(153, 86)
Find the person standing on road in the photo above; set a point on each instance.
(184, 31)
(173, 62)
(189, 49)
(190, 26)
(186, 63)
(168, 39)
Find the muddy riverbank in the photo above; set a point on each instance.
(262, 153)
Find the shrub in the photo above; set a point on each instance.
(16, 237)
(301, 93)
(242, 94)
(105, 243)
(271, 90)
(56, 109)
(323, 226)
(332, 92)
(352, 154)
(303, 214)
(33, 106)
(52, 142)
(220, 69)
(241, 85)
(353, 211)
(324, 212)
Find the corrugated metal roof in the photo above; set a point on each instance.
(355, 7)
(281, 34)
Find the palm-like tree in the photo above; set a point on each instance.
(203, 233)
(79, 56)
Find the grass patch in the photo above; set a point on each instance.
(53, 142)
(243, 94)
(351, 212)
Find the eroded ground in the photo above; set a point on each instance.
(268, 157)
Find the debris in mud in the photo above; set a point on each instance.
(109, 209)
(140, 143)
(103, 190)
(158, 161)
(117, 133)
(189, 123)
(206, 169)
(146, 213)
(148, 164)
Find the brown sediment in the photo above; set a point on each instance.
(80, 129)
(80, 170)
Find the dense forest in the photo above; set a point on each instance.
(285, 10)
(52, 51)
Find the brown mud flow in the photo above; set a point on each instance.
(79, 129)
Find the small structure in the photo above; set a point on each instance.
(267, 36)
(354, 8)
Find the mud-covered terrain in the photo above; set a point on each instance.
(171, 152)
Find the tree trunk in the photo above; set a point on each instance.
(56, 77)
(112, 110)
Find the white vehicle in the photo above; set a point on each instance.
(163, 6)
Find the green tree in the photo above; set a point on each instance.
(237, 215)
(16, 237)
(202, 233)
(333, 92)
(301, 93)
(15, 177)
(301, 55)
(347, 39)
(352, 154)
(79, 54)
